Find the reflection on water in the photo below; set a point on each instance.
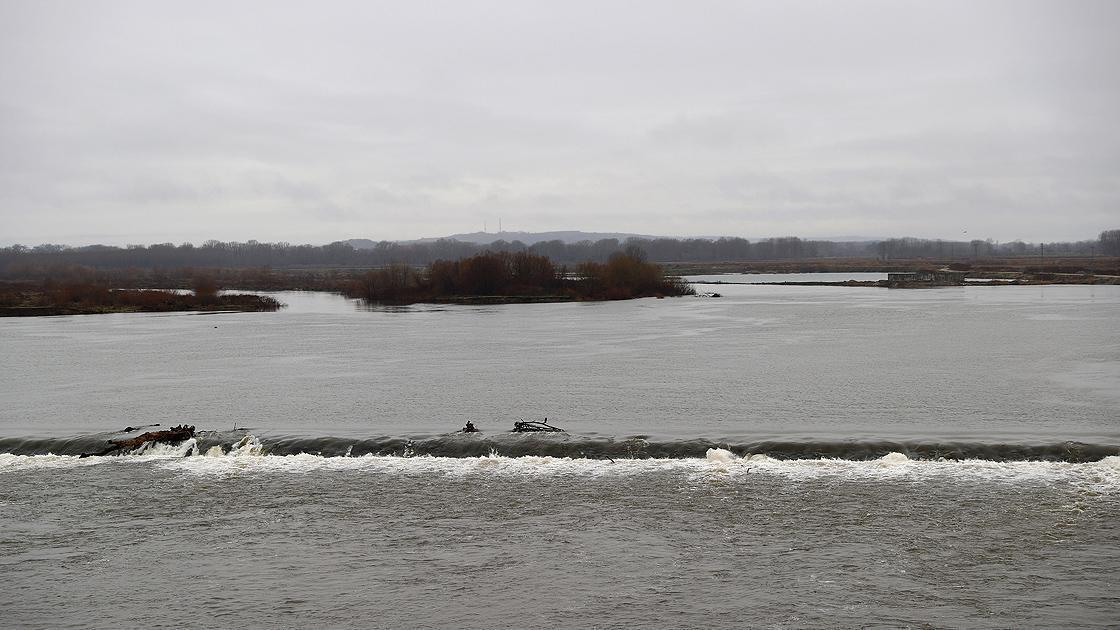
(305, 302)
(309, 301)
(788, 277)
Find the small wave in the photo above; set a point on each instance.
(156, 450)
(893, 459)
(12, 463)
(720, 455)
(148, 452)
(247, 446)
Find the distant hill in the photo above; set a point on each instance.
(361, 243)
(485, 238)
(568, 236)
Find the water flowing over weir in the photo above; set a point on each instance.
(239, 454)
(570, 446)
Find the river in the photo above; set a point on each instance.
(780, 456)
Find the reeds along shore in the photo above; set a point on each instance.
(77, 297)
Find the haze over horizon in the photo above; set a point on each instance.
(143, 122)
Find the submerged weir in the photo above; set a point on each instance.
(460, 445)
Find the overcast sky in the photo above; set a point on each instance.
(141, 122)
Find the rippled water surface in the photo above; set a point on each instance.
(761, 361)
(778, 457)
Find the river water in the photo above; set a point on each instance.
(781, 456)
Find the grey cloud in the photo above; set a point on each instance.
(156, 121)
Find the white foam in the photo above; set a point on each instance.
(1103, 476)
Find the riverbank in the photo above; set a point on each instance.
(1017, 280)
(1005, 268)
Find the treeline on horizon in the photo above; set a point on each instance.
(340, 254)
(22, 261)
(521, 274)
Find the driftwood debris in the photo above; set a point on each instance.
(531, 426)
(174, 435)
